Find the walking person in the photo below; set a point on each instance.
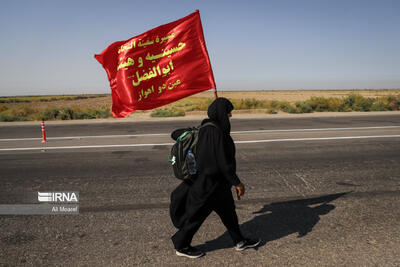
(192, 201)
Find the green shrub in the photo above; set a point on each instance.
(379, 105)
(337, 104)
(80, 115)
(190, 109)
(24, 112)
(318, 103)
(62, 116)
(357, 102)
(393, 102)
(287, 107)
(248, 104)
(274, 104)
(69, 113)
(303, 107)
(167, 113)
(50, 113)
(18, 113)
(293, 110)
(7, 118)
(390, 102)
(103, 113)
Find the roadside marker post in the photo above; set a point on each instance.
(43, 133)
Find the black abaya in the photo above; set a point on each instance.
(192, 202)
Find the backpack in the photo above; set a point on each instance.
(179, 151)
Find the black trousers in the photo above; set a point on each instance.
(221, 201)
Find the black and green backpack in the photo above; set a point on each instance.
(179, 151)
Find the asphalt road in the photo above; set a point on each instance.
(321, 191)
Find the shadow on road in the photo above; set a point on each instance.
(277, 220)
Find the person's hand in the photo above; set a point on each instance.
(240, 190)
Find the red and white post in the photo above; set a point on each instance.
(43, 133)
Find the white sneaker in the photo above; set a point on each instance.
(247, 243)
(190, 252)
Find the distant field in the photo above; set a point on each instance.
(299, 95)
(296, 101)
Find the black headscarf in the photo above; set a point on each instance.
(218, 112)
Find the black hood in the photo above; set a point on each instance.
(218, 112)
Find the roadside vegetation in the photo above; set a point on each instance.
(167, 113)
(352, 102)
(30, 99)
(52, 113)
(25, 109)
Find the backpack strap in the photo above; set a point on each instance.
(190, 129)
(182, 135)
(209, 123)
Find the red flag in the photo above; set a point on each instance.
(158, 67)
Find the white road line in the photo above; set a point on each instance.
(86, 137)
(316, 139)
(80, 147)
(317, 129)
(233, 132)
(170, 144)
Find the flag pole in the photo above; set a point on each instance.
(215, 92)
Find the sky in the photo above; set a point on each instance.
(48, 47)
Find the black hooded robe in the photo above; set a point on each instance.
(192, 202)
